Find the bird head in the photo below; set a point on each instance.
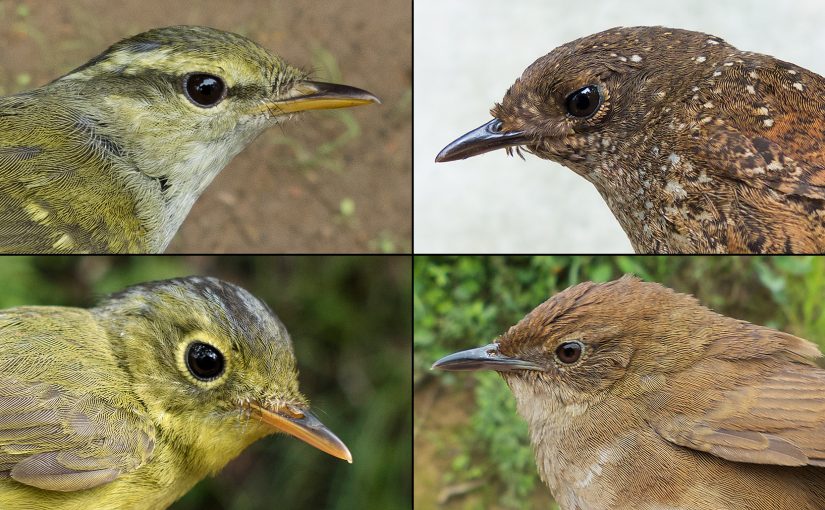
(214, 366)
(618, 340)
(196, 84)
(178, 103)
(582, 103)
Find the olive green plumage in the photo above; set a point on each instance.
(110, 408)
(112, 156)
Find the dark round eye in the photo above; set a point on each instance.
(569, 352)
(583, 102)
(204, 90)
(204, 361)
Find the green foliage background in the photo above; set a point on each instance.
(464, 302)
(349, 318)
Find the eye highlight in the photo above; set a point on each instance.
(204, 361)
(204, 90)
(584, 102)
(569, 352)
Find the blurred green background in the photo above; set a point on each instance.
(349, 318)
(472, 450)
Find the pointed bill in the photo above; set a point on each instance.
(316, 95)
(305, 426)
(484, 358)
(485, 138)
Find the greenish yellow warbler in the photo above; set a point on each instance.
(112, 156)
(129, 404)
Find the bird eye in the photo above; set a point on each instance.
(569, 352)
(204, 90)
(583, 102)
(204, 361)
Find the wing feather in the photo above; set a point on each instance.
(775, 418)
(58, 440)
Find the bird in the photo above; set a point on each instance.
(111, 157)
(638, 397)
(130, 403)
(696, 146)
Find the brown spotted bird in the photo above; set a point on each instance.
(639, 398)
(695, 145)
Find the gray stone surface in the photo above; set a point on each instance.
(467, 53)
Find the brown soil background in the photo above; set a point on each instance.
(286, 193)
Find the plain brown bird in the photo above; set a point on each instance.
(639, 398)
(695, 145)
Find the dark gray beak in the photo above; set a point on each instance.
(484, 358)
(486, 138)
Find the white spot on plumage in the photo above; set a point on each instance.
(675, 189)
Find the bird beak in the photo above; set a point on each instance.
(484, 358)
(486, 138)
(315, 95)
(302, 424)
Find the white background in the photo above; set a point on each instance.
(467, 53)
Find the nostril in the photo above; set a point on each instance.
(495, 127)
